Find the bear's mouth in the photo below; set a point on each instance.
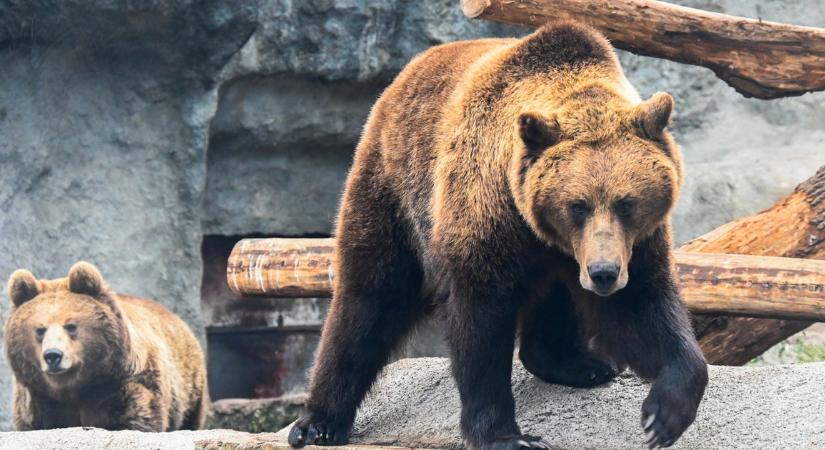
(56, 371)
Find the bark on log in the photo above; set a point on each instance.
(757, 58)
(710, 283)
(281, 267)
(793, 227)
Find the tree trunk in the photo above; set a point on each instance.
(757, 58)
(793, 227)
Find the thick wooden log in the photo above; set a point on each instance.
(281, 267)
(711, 283)
(758, 58)
(793, 227)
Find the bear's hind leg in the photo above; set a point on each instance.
(551, 345)
(375, 303)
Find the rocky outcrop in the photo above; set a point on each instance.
(415, 405)
(255, 415)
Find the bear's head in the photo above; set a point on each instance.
(63, 333)
(595, 175)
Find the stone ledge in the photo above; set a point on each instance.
(415, 405)
(255, 415)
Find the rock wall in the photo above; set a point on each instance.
(129, 132)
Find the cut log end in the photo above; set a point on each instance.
(474, 9)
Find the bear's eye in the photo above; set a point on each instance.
(71, 328)
(579, 210)
(624, 207)
(41, 331)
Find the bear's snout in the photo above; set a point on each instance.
(53, 358)
(604, 275)
(57, 356)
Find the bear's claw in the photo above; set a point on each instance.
(517, 442)
(664, 419)
(315, 434)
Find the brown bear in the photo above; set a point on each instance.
(83, 355)
(511, 185)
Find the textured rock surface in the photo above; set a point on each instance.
(255, 415)
(415, 404)
(128, 130)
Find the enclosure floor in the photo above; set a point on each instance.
(415, 405)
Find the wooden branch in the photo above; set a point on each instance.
(757, 58)
(793, 227)
(711, 283)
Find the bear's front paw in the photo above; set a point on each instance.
(307, 431)
(666, 414)
(515, 442)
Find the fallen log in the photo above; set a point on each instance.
(758, 58)
(794, 227)
(753, 286)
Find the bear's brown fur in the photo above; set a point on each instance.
(511, 184)
(83, 355)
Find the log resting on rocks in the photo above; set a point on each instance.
(710, 283)
(793, 227)
(758, 58)
(415, 405)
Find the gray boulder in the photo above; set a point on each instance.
(415, 405)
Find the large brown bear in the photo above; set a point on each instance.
(83, 355)
(512, 184)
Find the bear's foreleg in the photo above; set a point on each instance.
(481, 334)
(551, 345)
(34, 412)
(137, 407)
(375, 303)
(647, 327)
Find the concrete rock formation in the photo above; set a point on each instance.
(415, 404)
(129, 131)
(255, 415)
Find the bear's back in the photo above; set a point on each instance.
(155, 326)
(451, 96)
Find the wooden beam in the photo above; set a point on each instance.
(711, 283)
(281, 267)
(794, 227)
(757, 58)
(755, 286)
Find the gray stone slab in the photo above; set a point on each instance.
(415, 405)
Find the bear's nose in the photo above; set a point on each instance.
(53, 357)
(603, 274)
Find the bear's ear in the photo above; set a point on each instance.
(22, 287)
(84, 278)
(653, 115)
(538, 132)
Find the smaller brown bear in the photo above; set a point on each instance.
(83, 355)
